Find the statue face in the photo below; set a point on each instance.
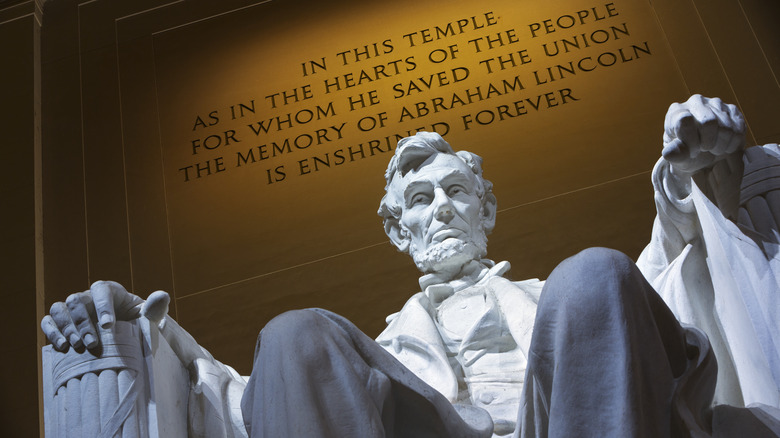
(441, 214)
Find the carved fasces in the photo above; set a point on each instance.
(110, 372)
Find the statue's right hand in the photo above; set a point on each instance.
(74, 322)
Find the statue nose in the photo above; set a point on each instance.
(444, 212)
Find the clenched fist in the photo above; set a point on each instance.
(700, 132)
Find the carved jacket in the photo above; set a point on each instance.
(484, 367)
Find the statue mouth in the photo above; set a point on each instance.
(447, 233)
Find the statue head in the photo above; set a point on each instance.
(437, 206)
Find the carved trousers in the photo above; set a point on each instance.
(316, 375)
(607, 358)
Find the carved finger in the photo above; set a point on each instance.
(721, 111)
(722, 114)
(53, 334)
(731, 136)
(737, 140)
(698, 106)
(112, 301)
(707, 123)
(717, 104)
(671, 115)
(127, 306)
(156, 306)
(723, 141)
(687, 130)
(675, 151)
(709, 131)
(61, 317)
(78, 306)
(103, 298)
(667, 138)
(676, 113)
(737, 120)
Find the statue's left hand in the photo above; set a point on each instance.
(700, 132)
(74, 322)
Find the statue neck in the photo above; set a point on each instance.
(438, 286)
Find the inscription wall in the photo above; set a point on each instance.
(277, 121)
(232, 152)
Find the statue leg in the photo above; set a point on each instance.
(316, 375)
(608, 358)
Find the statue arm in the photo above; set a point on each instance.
(214, 405)
(703, 144)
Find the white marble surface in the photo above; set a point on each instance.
(133, 385)
(714, 268)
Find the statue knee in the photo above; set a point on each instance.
(599, 264)
(591, 281)
(297, 332)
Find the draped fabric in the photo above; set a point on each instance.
(608, 358)
(316, 375)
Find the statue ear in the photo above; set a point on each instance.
(397, 234)
(489, 213)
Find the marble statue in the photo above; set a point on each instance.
(592, 351)
(713, 256)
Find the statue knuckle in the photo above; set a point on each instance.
(73, 301)
(57, 308)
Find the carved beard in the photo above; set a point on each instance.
(450, 255)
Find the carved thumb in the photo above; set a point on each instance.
(156, 306)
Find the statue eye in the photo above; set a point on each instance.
(419, 198)
(455, 190)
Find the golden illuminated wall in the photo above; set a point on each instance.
(232, 153)
(274, 135)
